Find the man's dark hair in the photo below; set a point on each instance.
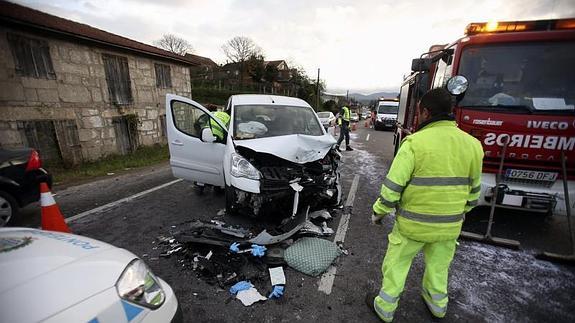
(437, 101)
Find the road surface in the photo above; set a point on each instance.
(487, 284)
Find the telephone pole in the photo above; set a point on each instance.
(318, 94)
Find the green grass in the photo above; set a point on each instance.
(143, 156)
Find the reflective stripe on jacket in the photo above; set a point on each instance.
(216, 129)
(434, 179)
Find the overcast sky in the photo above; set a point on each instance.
(361, 45)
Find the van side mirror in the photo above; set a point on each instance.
(421, 64)
(207, 135)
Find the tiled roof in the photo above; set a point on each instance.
(201, 60)
(19, 15)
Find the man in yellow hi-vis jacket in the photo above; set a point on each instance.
(343, 122)
(434, 179)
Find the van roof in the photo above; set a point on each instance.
(247, 99)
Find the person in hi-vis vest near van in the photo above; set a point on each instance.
(343, 122)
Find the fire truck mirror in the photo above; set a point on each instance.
(421, 64)
(457, 85)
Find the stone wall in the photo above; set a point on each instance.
(80, 92)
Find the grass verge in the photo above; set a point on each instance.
(143, 156)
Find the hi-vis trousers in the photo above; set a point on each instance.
(398, 258)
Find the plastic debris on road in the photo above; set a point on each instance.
(239, 286)
(258, 251)
(250, 296)
(246, 293)
(277, 292)
(277, 276)
(235, 247)
(320, 231)
(321, 214)
(311, 256)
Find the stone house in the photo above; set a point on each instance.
(79, 93)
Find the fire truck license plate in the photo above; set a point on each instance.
(530, 175)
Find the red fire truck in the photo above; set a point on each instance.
(514, 86)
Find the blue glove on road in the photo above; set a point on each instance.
(235, 247)
(239, 286)
(258, 251)
(277, 292)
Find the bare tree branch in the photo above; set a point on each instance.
(174, 44)
(240, 48)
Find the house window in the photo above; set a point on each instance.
(56, 140)
(163, 76)
(31, 57)
(118, 79)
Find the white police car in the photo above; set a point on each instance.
(57, 277)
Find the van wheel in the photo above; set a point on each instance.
(218, 190)
(8, 208)
(199, 189)
(231, 206)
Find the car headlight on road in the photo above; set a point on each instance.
(139, 285)
(241, 167)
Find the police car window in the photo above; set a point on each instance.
(189, 119)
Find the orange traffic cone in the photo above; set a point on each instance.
(354, 126)
(366, 124)
(52, 218)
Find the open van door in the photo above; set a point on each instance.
(195, 154)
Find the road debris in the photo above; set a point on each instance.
(277, 276)
(277, 292)
(311, 256)
(320, 214)
(248, 254)
(255, 250)
(246, 293)
(250, 296)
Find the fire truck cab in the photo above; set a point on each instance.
(512, 82)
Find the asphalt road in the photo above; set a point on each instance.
(487, 283)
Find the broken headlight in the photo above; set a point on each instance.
(138, 285)
(241, 167)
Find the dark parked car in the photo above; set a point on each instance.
(20, 175)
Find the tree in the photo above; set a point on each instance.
(174, 44)
(238, 50)
(255, 67)
(330, 105)
(306, 88)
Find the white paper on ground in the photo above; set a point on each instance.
(277, 276)
(513, 200)
(250, 296)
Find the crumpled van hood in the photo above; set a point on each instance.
(299, 149)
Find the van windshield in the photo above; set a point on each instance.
(260, 121)
(323, 114)
(387, 109)
(522, 77)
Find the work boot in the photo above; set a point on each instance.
(348, 148)
(338, 149)
(436, 311)
(370, 302)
